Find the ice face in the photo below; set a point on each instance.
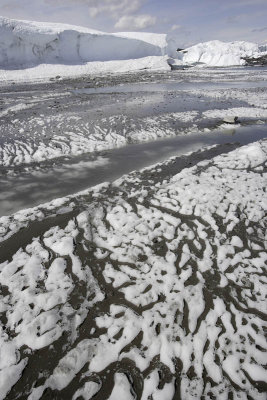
(29, 43)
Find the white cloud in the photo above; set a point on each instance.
(175, 27)
(96, 14)
(96, 7)
(135, 22)
(91, 7)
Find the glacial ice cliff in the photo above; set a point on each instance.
(24, 43)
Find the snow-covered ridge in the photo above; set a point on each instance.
(222, 54)
(24, 43)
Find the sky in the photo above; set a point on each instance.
(189, 21)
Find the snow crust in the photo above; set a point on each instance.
(186, 260)
(46, 70)
(82, 136)
(91, 136)
(221, 54)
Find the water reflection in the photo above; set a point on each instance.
(78, 173)
(169, 87)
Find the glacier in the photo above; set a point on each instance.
(32, 50)
(28, 43)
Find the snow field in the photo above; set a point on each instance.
(44, 71)
(40, 297)
(183, 264)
